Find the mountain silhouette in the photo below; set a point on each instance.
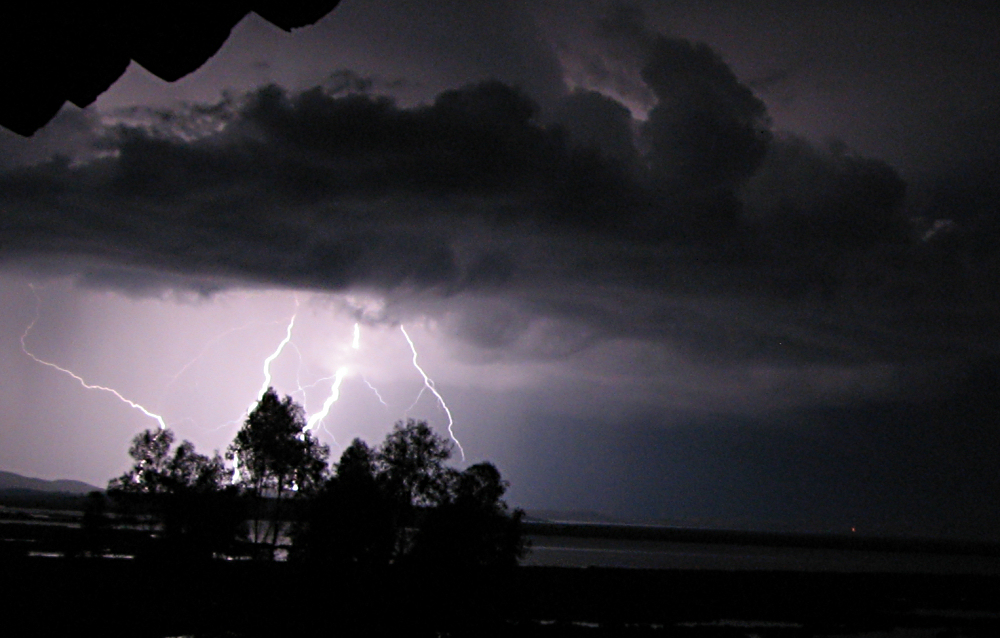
(12, 481)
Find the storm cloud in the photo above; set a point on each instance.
(697, 229)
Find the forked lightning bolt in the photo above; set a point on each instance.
(315, 420)
(375, 390)
(429, 384)
(270, 359)
(24, 348)
(338, 378)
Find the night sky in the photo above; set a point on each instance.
(724, 264)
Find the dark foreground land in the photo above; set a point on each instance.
(108, 597)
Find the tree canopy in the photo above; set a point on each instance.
(411, 463)
(400, 503)
(156, 471)
(352, 520)
(474, 528)
(275, 456)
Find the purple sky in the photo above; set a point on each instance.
(709, 264)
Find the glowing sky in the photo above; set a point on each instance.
(765, 296)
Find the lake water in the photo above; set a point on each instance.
(568, 551)
(582, 551)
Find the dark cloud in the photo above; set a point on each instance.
(703, 131)
(593, 120)
(501, 41)
(829, 186)
(145, 283)
(305, 189)
(707, 130)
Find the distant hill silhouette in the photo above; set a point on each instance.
(12, 481)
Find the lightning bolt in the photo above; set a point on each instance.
(356, 344)
(429, 384)
(274, 355)
(334, 396)
(300, 389)
(317, 418)
(416, 400)
(267, 379)
(24, 348)
(375, 390)
(205, 349)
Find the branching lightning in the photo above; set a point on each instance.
(316, 419)
(89, 386)
(299, 389)
(416, 400)
(375, 390)
(314, 422)
(356, 344)
(429, 384)
(204, 349)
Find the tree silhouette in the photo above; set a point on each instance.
(474, 528)
(276, 458)
(156, 472)
(149, 474)
(410, 467)
(411, 463)
(185, 494)
(350, 521)
(400, 503)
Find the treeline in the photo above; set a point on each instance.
(19, 497)
(275, 495)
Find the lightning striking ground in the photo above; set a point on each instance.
(429, 384)
(89, 386)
